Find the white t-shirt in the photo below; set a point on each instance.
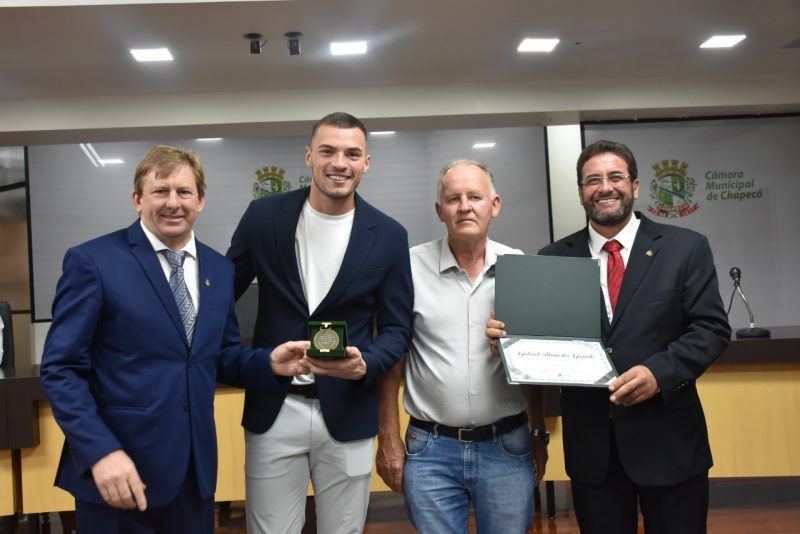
(320, 242)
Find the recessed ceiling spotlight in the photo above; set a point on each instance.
(293, 42)
(151, 54)
(255, 42)
(487, 144)
(723, 41)
(537, 45)
(349, 48)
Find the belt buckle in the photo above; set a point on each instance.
(461, 438)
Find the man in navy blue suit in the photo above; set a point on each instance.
(645, 445)
(138, 341)
(321, 253)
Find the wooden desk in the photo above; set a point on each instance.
(38, 464)
(782, 347)
(8, 496)
(38, 468)
(228, 407)
(32, 429)
(752, 416)
(750, 397)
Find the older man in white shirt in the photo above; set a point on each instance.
(468, 441)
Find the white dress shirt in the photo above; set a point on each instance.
(625, 237)
(191, 271)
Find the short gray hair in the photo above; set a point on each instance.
(463, 161)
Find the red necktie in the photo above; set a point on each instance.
(616, 270)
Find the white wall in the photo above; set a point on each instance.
(563, 148)
(491, 104)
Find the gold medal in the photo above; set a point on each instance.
(326, 339)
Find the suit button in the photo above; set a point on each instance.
(187, 407)
(609, 350)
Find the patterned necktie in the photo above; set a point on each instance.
(615, 271)
(179, 290)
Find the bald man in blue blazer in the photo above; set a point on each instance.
(131, 377)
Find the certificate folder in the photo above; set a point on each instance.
(551, 308)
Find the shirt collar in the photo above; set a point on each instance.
(190, 247)
(447, 261)
(625, 236)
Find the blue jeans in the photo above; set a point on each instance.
(443, 475)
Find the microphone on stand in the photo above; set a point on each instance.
(752, 331)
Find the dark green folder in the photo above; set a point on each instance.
(550, 297)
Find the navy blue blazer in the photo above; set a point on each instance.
(120, 374)
(372, 292)
(669, 318)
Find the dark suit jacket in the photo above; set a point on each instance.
(120, 374)
(372, 291)
(669, 318)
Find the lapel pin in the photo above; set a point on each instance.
(648, 253)
(208, 282)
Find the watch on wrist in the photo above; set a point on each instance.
(539, 433)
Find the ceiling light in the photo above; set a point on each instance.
(293, 42)
(349, 48)
(94, 153)
(537, 45)
(207, 139)
(488, 144)
(151, 54)
(95, 158)
(255, 42)
(89, 154)
(723, 41)
(385, 132)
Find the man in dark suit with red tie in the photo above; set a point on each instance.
(646, 444)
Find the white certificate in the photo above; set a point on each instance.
(565, 362)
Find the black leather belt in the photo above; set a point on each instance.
(476, 433)
(308, 391)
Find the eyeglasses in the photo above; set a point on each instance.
(595, 180)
